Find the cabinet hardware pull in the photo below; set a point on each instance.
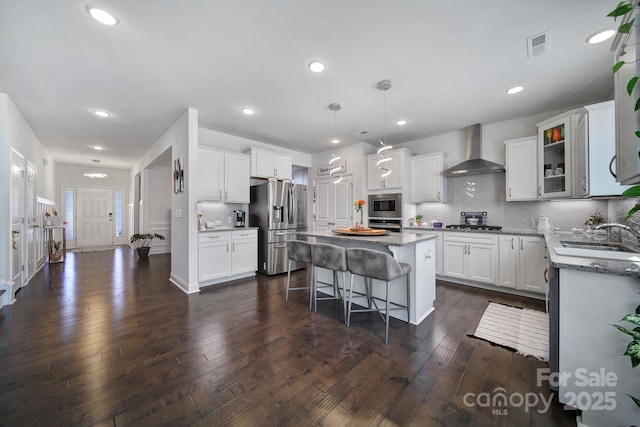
(220, 194)
(522, 245)
(546, 279)
(227, 247)
(233, 247)
(225, 194)
(438, 194)
(539, 191)
(512, 243)
(613, 159)
(469, 253)
(583, 182)
(509, 192)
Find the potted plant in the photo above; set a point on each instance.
(418, 220)
(144, 240)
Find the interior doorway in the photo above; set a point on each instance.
(333, 203)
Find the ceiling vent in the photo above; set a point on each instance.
(538, 44)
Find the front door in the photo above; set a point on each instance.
(94, 217)
(17, 220)
(334, 203)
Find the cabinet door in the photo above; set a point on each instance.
(263, 164)
(374, 181)
(627, 119)
(237, 181)
(214, 260)
(244, 256)
(509, 255)
(282, 166)
(481, 263)
(210, 175)
(454, 259)
(554, 158)
(396, 165)
(522, 168)
(581, 157)
(427, 182)
(532, 265)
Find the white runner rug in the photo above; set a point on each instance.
(523, 330)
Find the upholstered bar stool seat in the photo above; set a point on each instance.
(300, 251)
(332, 258)
(378, 265)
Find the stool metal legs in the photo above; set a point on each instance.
(289, 288)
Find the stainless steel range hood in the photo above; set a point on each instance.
(474, 165)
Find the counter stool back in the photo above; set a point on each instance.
(300, 251)
(333, 258)
(378, 265)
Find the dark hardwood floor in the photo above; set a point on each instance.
(104, 339)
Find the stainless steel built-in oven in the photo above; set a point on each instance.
(385, 205)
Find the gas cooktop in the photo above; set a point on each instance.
(474, 221)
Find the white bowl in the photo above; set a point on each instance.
(473, 221)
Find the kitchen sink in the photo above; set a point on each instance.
(603, 250)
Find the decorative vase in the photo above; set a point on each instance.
(143, 251)
(556, 134)
(361, 217)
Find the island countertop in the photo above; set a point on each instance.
(391, 239)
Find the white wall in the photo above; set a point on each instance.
(15, 132)
(182, 139)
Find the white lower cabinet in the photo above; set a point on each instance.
(244, 252)
(439, 261)
(227, 255)
(522, 263)
(470, 256)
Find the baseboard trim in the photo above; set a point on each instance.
(183, 285)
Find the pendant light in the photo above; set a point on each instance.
(334, 169)
(383, 163)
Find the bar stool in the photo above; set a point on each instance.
(298, 250)
(378, 265)
(333, 258)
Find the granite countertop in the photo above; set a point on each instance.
(391, 239)
(503, 231)
(598, 265)
(225, 228)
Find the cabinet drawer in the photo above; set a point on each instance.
(243, 234)
(487, 239)
(212, 236)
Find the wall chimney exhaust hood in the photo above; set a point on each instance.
(474, 165)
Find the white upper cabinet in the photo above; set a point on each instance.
(210, 181)
(555, 162)
(269, 164)
(427, 182)
(236, 178)
(595, 151)
(627, 120)
(222, 177)
(398, 179)
(522, 168)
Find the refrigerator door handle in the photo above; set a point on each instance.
(291, 202)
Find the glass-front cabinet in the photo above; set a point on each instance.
(554, 157)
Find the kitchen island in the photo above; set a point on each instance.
(415, 249)
(587, 295)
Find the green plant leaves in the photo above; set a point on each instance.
(634, 334)
(626, 28)
(632, 192)
(623, 8)
(632, 318)
(631, 85)
(633, 351)
(617, 66)
(635, 399)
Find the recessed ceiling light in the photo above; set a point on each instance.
(248, 110)
(316, 66)
(335, 141)
(101, 113)
(401, 122)
(600, 36)
(96, 175)
(102, 15)
(514, 90)
(97, 147)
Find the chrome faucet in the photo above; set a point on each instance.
(625, 227)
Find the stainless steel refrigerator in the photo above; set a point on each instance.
(279, 209)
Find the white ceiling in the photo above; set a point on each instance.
(449, 63)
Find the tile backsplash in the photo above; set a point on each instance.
(486, 193)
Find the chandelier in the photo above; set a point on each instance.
(383, 163)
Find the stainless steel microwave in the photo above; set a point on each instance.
(385, 205)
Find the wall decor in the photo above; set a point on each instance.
(325, 169)
(178, 175)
